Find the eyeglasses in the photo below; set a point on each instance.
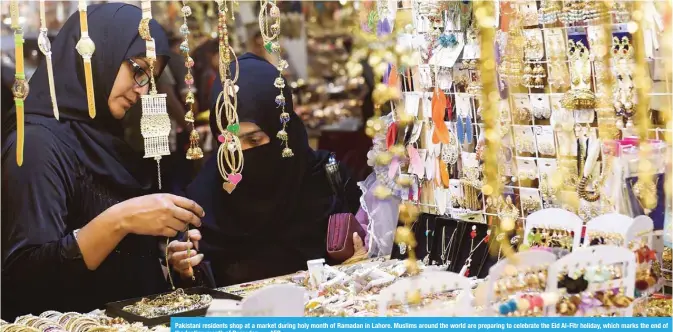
(139, 74)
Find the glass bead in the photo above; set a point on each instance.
(43, 42)
(279, 83)
(184, 29)
(284, 117)
(280, 100)
(189, 79)
(186, 10)
(184, 47)
(282, 65)
(189, 62)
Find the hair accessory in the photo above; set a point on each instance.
(229, 154)
(21, 87)
(45, 47)
(270, 13)
(194, 152)
(86, 47)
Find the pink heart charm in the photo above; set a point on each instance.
(235, 178)
(220, 138)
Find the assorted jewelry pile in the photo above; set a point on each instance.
(169, 304)
(72, 322)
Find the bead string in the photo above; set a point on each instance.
(21, 88)
(230, 154)
(194, 152)
(269, 34)
(86, 48)
(45, 47)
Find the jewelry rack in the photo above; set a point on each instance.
(556, 218)
(596, 256)
(412, 289)
(630, 229)
(525, 261)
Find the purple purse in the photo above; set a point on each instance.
(340, 229)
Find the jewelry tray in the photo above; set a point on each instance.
(115, 309)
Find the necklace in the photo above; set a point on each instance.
(269, 11)
(229, 154)
(428, 247)
(465, 270)
(86, 47)
(194, 151)
(445, 249)
(21, 87)
(45, 47)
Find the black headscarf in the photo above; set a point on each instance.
(99, 143)
(271, 183)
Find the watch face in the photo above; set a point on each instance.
(20, 89)
(43, 42)
(85, 47)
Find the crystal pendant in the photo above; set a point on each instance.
(186, 10)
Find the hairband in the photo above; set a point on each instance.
(20, 88)
(194, 152)
(269, 34)
(86, 47)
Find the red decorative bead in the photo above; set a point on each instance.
(221, 138)
(467, 272)
(473, 234)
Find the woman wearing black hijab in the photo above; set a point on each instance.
(276, 218)
(78, 224)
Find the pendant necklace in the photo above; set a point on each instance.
(465, 270)
(428, 248)
(44, 45)
(229, 154)
(21, 87)
(445, 249)
(194, 152)
(86, 47)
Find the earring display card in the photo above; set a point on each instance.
(544, 136)
(529, 11)
(522, 108)
(524, 140)
(541, 107)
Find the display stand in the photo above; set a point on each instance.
(630, 229)
(555, 218)
(595, 256)
(524, 261)
(429, 283)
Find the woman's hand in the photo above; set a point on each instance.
(359, 250)
(182, 256)
(158, 214)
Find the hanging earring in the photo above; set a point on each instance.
(194, 151)
(460, 132)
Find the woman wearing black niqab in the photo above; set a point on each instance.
(78, 220)
(276, 218)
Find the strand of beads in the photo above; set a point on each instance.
(270, 13)
(194, 152)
